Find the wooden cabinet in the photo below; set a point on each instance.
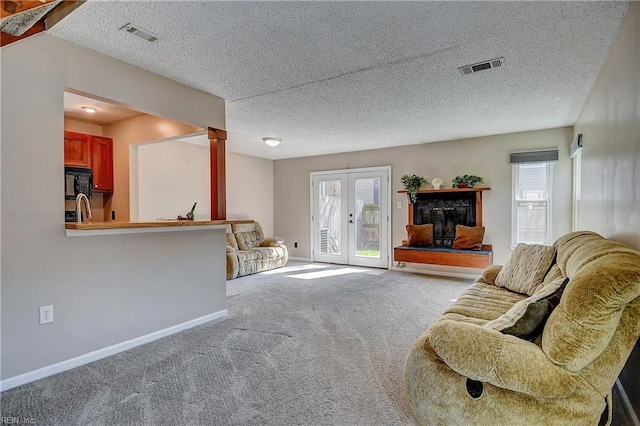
(77, 150)
(102, 163)
(95, 152)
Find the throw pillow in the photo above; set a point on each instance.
(468, 237)
(526, 268)
(524, 318)
(271, 242)
(420, 235)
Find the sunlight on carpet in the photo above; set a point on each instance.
(328, 273)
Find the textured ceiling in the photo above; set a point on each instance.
(330, 77)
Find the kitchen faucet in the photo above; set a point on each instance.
(81, 196)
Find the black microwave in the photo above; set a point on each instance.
(77, 180)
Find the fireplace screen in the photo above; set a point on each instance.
(445, 211)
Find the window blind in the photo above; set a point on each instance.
(538, 156)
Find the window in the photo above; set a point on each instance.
(531, 221)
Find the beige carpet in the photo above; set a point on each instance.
(304, 345)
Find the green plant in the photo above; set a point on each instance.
(412, 183)
(466, 180)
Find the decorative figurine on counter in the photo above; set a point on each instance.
(190, 214)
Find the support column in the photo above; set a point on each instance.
(217, 151)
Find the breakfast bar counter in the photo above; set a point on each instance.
(112, 228)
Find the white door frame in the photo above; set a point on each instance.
(388, 212)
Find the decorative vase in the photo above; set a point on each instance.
(436, 185)
(463, 185)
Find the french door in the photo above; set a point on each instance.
(350, 217)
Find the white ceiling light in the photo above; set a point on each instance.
(89, 110)
(272, 141)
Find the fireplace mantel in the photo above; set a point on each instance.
(424, 191)
(445, 208)
(429, 193)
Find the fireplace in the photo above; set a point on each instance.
(445, 209)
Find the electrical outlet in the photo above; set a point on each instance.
(46, 314)
(295, 245)
(399, 204)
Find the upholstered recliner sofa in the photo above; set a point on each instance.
(248, 251)
(469, 368)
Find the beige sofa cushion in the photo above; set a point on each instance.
(483, 302)
(526, 268)
(248, 235)
(231, 239)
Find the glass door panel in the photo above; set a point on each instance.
(330, 210)
(368, 219)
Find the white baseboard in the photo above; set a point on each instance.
(627, 404)
(104, 352)
(300, 259)
(435, 272)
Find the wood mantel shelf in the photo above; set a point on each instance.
(425, 191)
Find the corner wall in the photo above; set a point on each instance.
(105, 289)
(610, 127)
(486, 156)
(250, 190)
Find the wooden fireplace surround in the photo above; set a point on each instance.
(445, 255)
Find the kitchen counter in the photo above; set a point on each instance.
(73, 229)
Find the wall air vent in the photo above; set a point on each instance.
(142, 33)
(480, 66)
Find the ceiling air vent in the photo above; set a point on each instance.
(143, 34)
(480, 66)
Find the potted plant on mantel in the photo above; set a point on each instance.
(466, 181)
(412, 183)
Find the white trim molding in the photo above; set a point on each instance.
(105, 352)
(300, 259)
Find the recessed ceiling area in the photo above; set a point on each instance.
(330, 77)
(106, 113)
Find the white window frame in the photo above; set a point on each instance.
(577, 189)
(514, 204)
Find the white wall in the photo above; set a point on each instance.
(133, 131)
(172, 175)
(104, 289)
(610, 127)
(250, 190)
(486, 156)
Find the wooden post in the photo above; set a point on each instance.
(217, 151)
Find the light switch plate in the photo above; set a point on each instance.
(399, 204)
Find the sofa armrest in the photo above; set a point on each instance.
(490, 273)
(502, 360)
(271, 242)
